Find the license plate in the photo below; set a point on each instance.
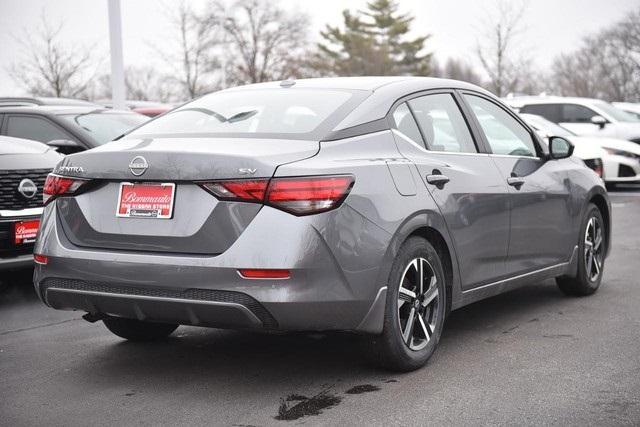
(147, 200)
(25, 231)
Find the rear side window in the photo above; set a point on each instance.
(442, 123)
(504, 134)
(550, 112)
(282, 111)
(573, 113)
(34, 128)
(404, 123)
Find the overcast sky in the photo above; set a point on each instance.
(553, 26)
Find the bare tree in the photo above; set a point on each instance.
(458, 70)
(190, 53)
(606, 65)
(50, 67)
(498, 47)
(266, 42)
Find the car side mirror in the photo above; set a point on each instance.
(559, 148)
(599, 121)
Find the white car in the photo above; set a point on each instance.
(628, 107)
(620, 158)
(582, 116)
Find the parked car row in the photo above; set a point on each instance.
(146, 108)
(35, 134)
(614, 128)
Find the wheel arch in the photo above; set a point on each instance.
(435, 238)
(429, 225)
(602, 203)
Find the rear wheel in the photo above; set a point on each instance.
(137, 330)
(591, 250)
(415, 308)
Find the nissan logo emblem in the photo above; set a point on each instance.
(27, 188)
(138, 165)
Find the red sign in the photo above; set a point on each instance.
(25, 231)
(147, 200)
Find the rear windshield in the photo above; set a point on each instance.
(104, 127)
(285, 112)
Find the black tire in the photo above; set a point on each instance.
(390, 350)
(585, 283)
(137, 330)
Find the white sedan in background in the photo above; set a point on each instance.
(620, 158)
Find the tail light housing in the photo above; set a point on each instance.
(56, 186)
(299, 196)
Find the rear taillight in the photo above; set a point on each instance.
(57, 185)
(297, 195)
(244, 190)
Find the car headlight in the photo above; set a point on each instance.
(621, 153)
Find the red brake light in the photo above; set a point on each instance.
(248, 273)
(298, 195)
(307, 195)
(56, 185)
(245, 190)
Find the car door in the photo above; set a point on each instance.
(540, 189)
(39, 128)
(465, 184)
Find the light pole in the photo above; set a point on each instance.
(117, 65)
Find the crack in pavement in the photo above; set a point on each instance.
(30, 328)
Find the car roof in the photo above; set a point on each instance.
(41, 100)
(385, 90)
(60, 109)
(528, 100)
(369, 83)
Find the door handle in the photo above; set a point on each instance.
(437, 179)
(515, 181)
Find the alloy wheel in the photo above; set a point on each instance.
(418, 302)
(593, 249)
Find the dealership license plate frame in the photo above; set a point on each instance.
(25, 238)
(158, 215)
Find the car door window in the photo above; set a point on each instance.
(573, 113)
(442, 123)
(405, 123)
(504, 134)
(550, 112)
(34, 128)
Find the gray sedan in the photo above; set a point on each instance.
(372, 205)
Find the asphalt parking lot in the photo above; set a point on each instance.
(529, 357)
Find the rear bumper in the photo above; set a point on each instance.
(332, 286)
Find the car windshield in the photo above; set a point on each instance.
(616, 113)
(105, 126)
(250, 113)
(545, 126)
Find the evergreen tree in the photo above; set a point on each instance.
(374, 42)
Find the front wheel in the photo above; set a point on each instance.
(591, 250)
(414, 311)
(138, 330)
